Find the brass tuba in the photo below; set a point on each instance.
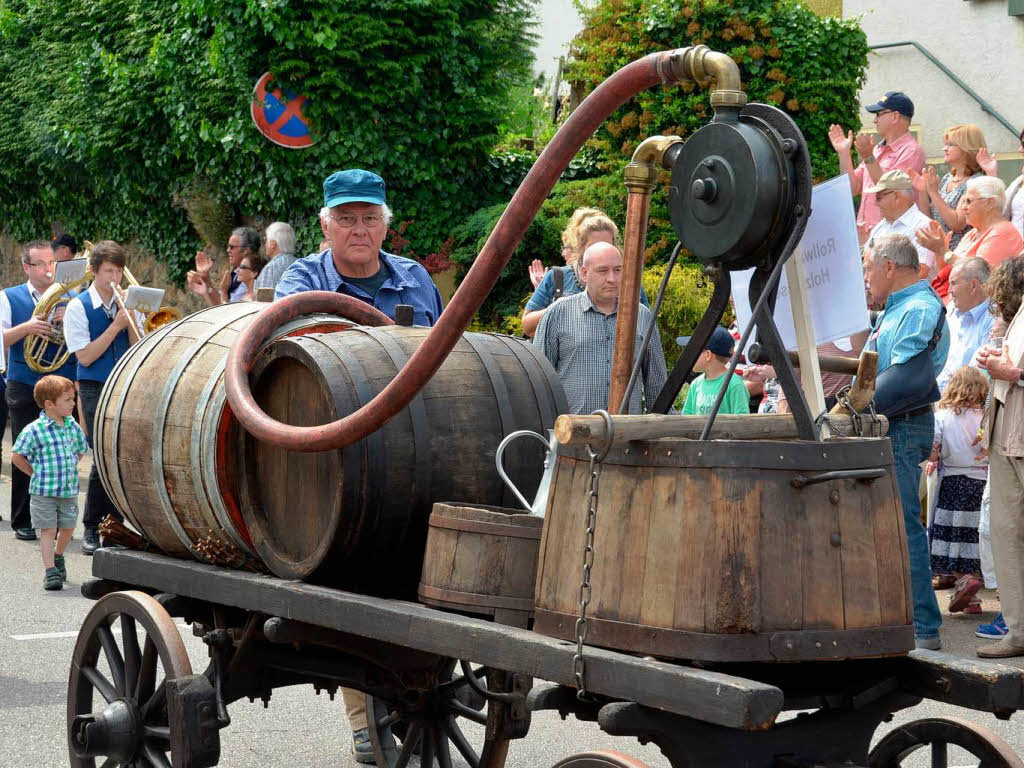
(46, 354)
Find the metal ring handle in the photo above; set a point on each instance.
(499, 455)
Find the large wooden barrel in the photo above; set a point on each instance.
(357, 518)
(719, 551)
(481, 560)
(165, 435)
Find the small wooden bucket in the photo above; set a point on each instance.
(481, 560)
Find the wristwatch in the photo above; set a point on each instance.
(870, 159)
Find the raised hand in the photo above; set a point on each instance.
(203, 263)
(934, 238)
(864, 231)
(865, 145)
(931, 180)
(841, 142)
(198, 283)
(917, 181)
(537, 271)
(988, 163)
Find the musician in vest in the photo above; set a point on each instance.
(16, 322)
(98, 331)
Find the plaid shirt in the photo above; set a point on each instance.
(579, 340)
(53, 450)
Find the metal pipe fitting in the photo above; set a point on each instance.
(702, 65)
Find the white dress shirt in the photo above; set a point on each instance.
(906, 225)
(968, 331)
(6, 323)
(76, 322)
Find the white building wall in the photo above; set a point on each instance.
(976, 39)
(557, 24)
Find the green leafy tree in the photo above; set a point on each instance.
(122, 116)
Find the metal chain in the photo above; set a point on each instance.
(578, 663)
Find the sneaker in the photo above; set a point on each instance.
(60, 565)
(966, 588)
(90, 541)
(995, 630)
(930, 643)
(362, 749)
(52, 579)
(24, 534)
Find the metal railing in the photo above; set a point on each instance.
(985, 106)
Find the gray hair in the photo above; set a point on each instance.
(282, 233)
(974, 268)
(989, 188)
(31, 245)
(250, 238)
(385, 213)
(898, 249)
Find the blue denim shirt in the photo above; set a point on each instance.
(906, 326)
(408, 283)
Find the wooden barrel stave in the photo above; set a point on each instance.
(382, 488)
(729, 563)
(163, 430)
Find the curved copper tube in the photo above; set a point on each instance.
(694, 63)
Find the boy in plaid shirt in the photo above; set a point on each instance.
(48, 450)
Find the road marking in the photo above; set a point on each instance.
(72, 633)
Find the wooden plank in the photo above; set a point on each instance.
(732, 571)
(634, 551)
(810, 373)
(664, 550)
(713, 697)
(617, 486)
(693, 538)
(858, 553)
(822, 569)
(583, 429)
(891, 552)
(782, 551)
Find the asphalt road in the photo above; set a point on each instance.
(299, 729)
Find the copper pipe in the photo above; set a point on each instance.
(691, 64)
(641, 175)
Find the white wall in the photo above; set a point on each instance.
(976, 39)
(558, 23)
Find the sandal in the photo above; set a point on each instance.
(943, 581)
(974, 606)
(967, 587)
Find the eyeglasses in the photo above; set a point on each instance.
(883, 112)
(47, 264)
(247, 269)
(348, 220)
(879, 196)
(231, 247)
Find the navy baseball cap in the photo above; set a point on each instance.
(894, 101)
(353, 186)
(721, 342)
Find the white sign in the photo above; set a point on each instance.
(144, 299)
(70, 271)
(833, 275)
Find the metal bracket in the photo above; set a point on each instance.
(195, 726)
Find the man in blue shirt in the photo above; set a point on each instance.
(969, 318)
(904, 329)
(355, 220)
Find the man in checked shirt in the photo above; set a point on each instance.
(577, 334)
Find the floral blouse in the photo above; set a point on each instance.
(952, 198)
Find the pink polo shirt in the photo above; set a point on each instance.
(903, 154)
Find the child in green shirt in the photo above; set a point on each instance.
(712, 364)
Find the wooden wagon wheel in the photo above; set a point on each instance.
(939, 733)
(601, 759)
(433, 726)
(130, 725)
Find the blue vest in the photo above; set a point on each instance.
(21, 311)
(99, 321)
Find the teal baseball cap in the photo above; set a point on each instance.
(353, 186)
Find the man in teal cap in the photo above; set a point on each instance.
(355, 220)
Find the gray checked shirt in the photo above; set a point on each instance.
(271, 274)
(579, 340)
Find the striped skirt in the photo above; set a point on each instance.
(954, 530)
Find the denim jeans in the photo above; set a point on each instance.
(911, 443)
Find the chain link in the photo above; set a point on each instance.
(578, 663)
